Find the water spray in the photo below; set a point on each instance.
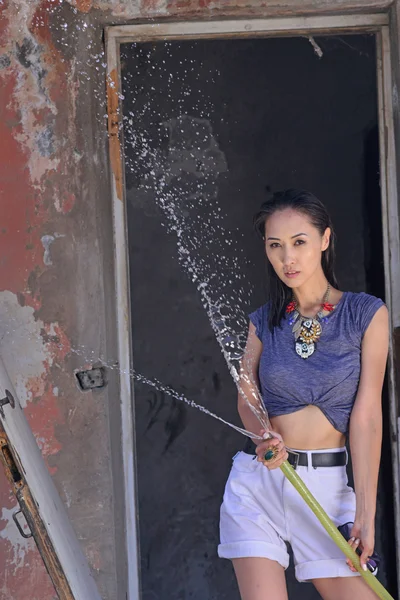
(231, 345)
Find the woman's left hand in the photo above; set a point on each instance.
(362, 536)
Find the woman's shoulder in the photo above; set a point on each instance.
(362, 300)
(361, 308)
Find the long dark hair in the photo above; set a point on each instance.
(306, 203)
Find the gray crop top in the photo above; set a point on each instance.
(330, 377)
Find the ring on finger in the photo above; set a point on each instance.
(271, 453)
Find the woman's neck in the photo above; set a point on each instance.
(310, 295)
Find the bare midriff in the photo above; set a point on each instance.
(308, 429)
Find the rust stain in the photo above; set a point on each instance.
(84, 5)
(113, 130)
(68, 202)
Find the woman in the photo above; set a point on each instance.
(317, 357)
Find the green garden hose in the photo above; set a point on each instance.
(332, 530)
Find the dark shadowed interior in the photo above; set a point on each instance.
(211, 126)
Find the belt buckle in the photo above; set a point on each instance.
(296, 458)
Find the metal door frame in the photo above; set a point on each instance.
(384, 27)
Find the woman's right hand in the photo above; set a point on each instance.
(274, 443)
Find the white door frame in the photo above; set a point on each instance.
(243, 28)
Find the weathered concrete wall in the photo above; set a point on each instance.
(56, 255)
(51, 278)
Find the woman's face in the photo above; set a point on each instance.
(294, 246)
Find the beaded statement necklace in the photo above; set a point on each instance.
(306, 330)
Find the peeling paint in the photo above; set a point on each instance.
(21, 345)
(47, 240)
(42, 158)
(20, 219)
(45, 142)
(5, 61)
(23, 573)
(42, 79)
(41, 161)
(8, 531)
(66, 203)
(84, 5)
(30, 93)
(29, 349)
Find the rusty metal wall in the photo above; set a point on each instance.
(55, 270)
(56, 282)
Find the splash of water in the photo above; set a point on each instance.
(182, 181)
(197, 221)
(159, 386)
(174, 394)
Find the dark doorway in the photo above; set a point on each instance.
(208, 127)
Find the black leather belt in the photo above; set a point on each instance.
(300, 459)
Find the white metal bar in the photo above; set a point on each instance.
(249, 27)
(51, 509)
(391, 246)
(124, 357)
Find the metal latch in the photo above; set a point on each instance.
(9, 399)
(18, 524)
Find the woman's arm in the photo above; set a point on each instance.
(248, 388)
(366, 430)
(249, 396)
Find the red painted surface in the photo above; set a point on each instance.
(43, 412)
(26, 207)
(42, 416)
(68, 203)
(21, 217)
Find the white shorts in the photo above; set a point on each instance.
(262, 510)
